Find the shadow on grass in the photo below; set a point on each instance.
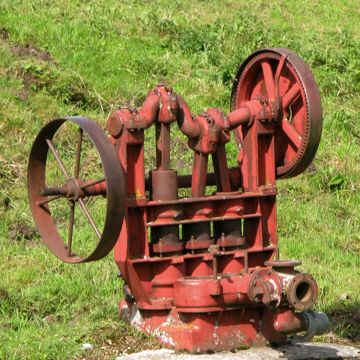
(345, 318)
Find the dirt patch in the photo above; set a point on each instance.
(40, 75)
(39, 70)
(22, 231)
(113, 341)
(345, 320)
(33, 78)
(29, 50)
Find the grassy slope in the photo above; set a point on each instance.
(80, 57)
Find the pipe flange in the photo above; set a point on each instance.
(265, 288)
(302, 292)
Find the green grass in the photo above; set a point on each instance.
(88, 57)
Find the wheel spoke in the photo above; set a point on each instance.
(89, 217)
(298, 117)
(290, 96)
(278, 71)
(71, 226)
(92, 183)
(279, 68)
(44, 202)
(51, 191)
(78, 154)
(268, 79)
(64, 171)
(291, 133)
(57, 158)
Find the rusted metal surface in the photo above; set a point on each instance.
(202, 272)
(40, 194)
(288, 77)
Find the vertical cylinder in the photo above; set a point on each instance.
(199, 174)
(164, 184)
(162, 145)
(165, 239)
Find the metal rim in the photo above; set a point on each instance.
(308, 299)
(115, 189)
(282, 263)
(296, 141)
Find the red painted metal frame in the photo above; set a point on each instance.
(203, 273)
(202, 270)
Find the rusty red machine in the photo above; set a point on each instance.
(201, 272)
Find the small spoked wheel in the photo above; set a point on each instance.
(72, 163)
(272, 74)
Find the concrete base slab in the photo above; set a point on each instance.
(298, 351)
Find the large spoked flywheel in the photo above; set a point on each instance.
(280, 73)
(68, 157)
